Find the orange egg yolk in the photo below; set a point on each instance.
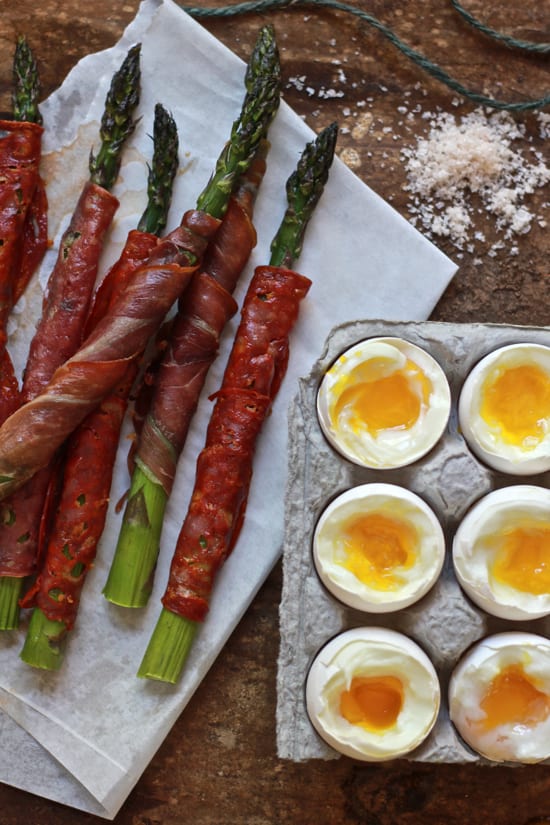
(372, 702)
(512, 698)
(377, 547)
(377, 401)
(522, 559)
(517, 401)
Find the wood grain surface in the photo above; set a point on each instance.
(219, 764)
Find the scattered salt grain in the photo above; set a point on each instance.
(462, 164)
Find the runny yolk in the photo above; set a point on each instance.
(522, 559)
(513, 699)
(376, 401)
(377, 547)
(372, 702)
(517, 401)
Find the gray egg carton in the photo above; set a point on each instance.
(450, 479)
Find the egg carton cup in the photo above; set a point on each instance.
(445, 623)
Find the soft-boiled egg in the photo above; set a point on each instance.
(501, 552)
(372, 694)
(384, 403)
(499, 697)
(378, 547)
(504, 409)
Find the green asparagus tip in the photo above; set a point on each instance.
(26, 84)
(261, 102)
(45, 642)
(168, 648)
(11, 588)
(117, 123)
(264, 60)
(303, 188)
(161, 172)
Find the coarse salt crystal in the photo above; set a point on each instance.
(473, 156)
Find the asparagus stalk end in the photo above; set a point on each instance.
(44, 643)
(168, 648)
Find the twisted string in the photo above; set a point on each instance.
(512, 42)
(432, 69)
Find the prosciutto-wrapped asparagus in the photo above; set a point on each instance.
(23, 206)
(192, 347)
(30, 437)
(252, 378)
(82, 506)
(60, 330)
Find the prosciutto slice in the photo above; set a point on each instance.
(23, 233)
(253, 375)
(88, 467)
(194, 338)
(23, 211)
(30, 437)
(58, 335)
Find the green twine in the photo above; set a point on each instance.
(511, 42)
(419, 59)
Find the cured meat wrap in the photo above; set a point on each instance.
(57, 337)
(194, 338)
(23, 233)
(30, 437)
(87, 472)
(23, 211)
(253, 375)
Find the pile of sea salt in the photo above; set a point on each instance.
(464, 168)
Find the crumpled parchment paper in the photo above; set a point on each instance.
(83, 736)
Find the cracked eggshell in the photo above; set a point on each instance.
(372, 653)
(504, 409)
(384, 403)
(407, 541)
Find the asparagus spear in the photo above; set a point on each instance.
(45, 354)
(26, 84)
(117, 123)
(130, 578)
(173, 634)
(72, 548)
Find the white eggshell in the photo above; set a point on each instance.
(396, 446)
(497, 512)
(372, 651)
(485, 441)
(397, 503)
(513, 742)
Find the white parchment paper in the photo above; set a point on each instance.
(450, 479)
(83, 736)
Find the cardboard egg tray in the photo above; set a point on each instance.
(450, 479)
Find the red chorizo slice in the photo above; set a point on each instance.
(20, 152)
(31, 435)
(70, 287)
(194, 337)
(251, 380)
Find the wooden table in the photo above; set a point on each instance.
(219, 762)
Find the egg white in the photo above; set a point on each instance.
(371, 651)
(397, 503)
(470, 680)
(486, 441)
(391, 447)
(495, 513)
